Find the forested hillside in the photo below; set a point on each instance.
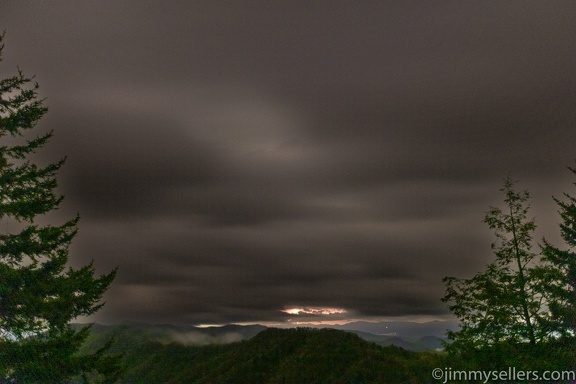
(273, 356)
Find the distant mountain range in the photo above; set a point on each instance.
(408, 335)
(152, 354)
(405, 334)
(403, 329)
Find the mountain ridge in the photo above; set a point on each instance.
(272, 356)
(408, 335)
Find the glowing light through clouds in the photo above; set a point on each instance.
(314, 311)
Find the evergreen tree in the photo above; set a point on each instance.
(504, 310)
(39, 294)
(563, 307)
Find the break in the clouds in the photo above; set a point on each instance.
(251, 162)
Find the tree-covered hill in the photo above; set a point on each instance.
(273, 356)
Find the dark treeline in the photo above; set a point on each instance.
(274, 356)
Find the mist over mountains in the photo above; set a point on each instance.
(408, 335)
(408, 329)
(272, 356)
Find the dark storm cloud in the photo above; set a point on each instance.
(238, 159)
(126, 164)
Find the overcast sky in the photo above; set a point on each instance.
(237, 159)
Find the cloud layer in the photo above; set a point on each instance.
(235, 160)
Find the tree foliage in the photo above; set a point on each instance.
(504, 310)
(39, 294)
(563, 308)
(273, 356)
